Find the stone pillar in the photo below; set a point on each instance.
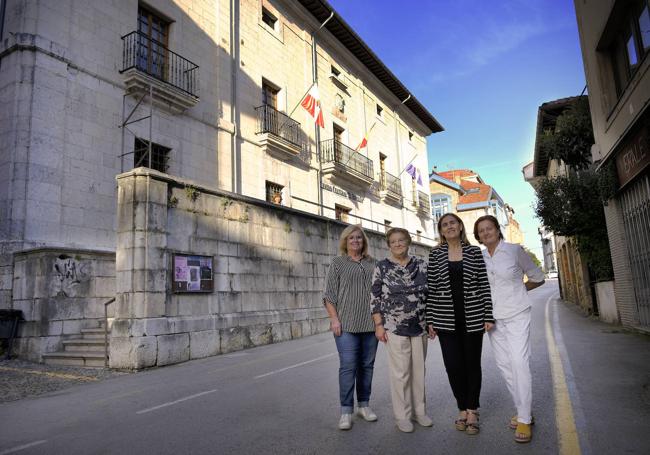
(141, 267)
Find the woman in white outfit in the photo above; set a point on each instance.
(506, 264)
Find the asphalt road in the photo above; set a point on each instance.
(283, 399)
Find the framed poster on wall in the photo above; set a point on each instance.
(192, 273)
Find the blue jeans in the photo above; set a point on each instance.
(357, 361)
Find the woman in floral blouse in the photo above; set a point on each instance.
(399, 287)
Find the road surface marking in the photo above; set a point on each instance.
(293, 366)
(180, 400)
(260, 359)
(23, 447)
(50, 374)
(566, 426)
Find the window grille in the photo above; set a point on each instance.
(159, 155)
(274, 193)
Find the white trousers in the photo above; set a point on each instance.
(406, 356)
(510, 340)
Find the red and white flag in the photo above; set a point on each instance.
(364, 141)
(311, 102)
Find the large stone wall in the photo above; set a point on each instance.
(269, 270)
(60, 291)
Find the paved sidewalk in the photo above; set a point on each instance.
(21, 379)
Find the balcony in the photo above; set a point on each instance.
(148, 65)
(280, 135)
(390, 188)
(424, 205)
(346, 164)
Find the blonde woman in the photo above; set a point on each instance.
(347, 301)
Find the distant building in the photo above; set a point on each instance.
(615, 48)
(464, 192)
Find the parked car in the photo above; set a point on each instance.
(552, 275)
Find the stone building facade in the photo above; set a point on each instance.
(615, 47)
(207, 92)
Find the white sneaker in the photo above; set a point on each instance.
(367, 414)
(345, 422)
(404, 425)
(424, 420)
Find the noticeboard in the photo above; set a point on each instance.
(192, 273)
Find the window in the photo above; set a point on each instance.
(629, 43)
(269, 19)
(440, 204)
(387, 224)
(152, 43)
(269, 94)
(410, 136)
(380, 110)
(342, 213)
(418, 236)
(335, 72)
(159, 155)
(274, 193)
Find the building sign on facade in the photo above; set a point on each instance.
(192, 273)
(634, 155)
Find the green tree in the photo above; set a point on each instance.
(572, 137)
(572, 205)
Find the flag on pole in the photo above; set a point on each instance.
(415, 174)
(364, 141)
(311, 103)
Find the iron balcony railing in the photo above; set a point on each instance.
(270, 120)
(423, 202)
(391, 184)
(334, 151)
(155, 59)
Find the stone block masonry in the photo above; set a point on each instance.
(269, 271)
(60, 291)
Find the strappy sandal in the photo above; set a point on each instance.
(514, 422)
(523, 433)
(461, 423)
(472, 428)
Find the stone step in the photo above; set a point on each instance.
(93, 334)
(84, 345)
(72, 358)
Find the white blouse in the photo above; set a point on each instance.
(506, 269)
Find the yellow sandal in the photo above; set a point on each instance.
(514, 422)
(523, 433)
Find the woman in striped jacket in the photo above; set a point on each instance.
(459, 312)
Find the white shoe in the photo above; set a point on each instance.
(367, 414)
(345, 422)
(404, 425)
(424, 420)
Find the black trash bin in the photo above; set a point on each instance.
(9, 327)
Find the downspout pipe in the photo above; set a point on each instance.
(235, 154)
(314, 74)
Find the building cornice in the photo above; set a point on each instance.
(321, 10)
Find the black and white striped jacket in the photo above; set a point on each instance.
(477, 296)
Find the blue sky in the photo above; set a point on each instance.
(482, 69)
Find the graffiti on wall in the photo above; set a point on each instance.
(69, 273)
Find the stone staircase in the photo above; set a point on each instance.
(86, 351)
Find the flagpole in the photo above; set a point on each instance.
(300, 99)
